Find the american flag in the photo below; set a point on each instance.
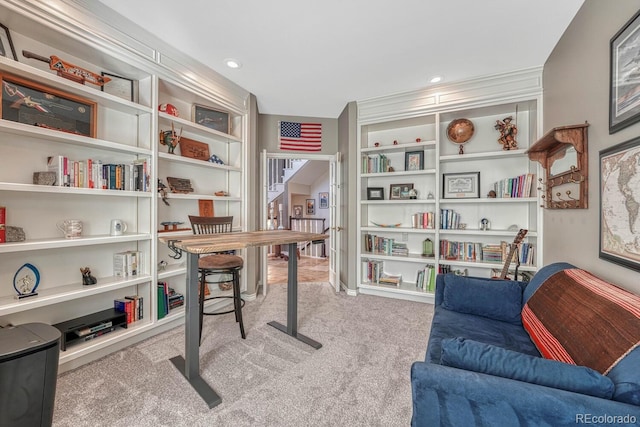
(300, 136)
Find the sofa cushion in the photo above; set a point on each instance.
(577, 318)
(479, 357)
(451, 324)
(496, 299)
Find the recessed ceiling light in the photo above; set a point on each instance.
(232, 63)
(435, 79)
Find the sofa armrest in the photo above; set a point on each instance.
(448, 396)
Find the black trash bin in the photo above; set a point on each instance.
(29, 357)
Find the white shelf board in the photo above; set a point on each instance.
(410, 230)
(398, 201)
(478, 232)
(49, 135)
(172, 270)
(413, 258)
(12, 186)
(407, 291)
(195, 162)
(88, 92)
(490, 200)
(483, 156)
(60, 242)
(193, 196)
(196, 128)
(409, 146)
(399, 173)
(47, 296)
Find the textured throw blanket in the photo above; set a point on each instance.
(577, 318)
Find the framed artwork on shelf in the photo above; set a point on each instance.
(194, 149)
(6, 44)
(324, 200)
(619, 224)
(400, 191)
(461, 185)
(205, 207)
(211, 118)
(624, 85)
(375, 193)
(31, 103)
(414, 160)
(297, 211)
(121, 87)
(311, 206)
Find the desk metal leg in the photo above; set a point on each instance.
(292, 301)
(190, 365)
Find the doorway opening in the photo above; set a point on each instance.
(298, 199)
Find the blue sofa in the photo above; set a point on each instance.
(483, 369)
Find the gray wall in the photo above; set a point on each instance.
(268, 133)
(576, 88)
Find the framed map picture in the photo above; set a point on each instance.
(620, 204)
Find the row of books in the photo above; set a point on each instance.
(475, 251)
(423, 220)
(426, 278)
(519, 186)
(91, 173)
(449, 219)
(384, 245)
(168, 299)
(375, 163)
(132, 306)
(373, 272)
(127, 263)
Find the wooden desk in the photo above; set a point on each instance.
(196, 245)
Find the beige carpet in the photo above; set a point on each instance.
(360, 377)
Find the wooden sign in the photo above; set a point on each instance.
(194, 149)
(205, 207)
(179, 185)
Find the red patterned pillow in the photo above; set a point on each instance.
(577, 318)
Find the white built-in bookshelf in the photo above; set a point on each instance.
(127, 131)
(416, 123)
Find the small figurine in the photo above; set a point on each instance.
(413, 193)
(508, 132)
(162, 265)
(395, 142)
(492, 194)
(87, 278)
(170, 138)
(162, 189)
(418, 139)
(430, 196)
(377, 144)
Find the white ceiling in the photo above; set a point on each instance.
(310, 58)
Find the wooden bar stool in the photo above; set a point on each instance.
(224, 264)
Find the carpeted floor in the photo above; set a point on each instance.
(360, 376)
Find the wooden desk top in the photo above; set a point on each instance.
(207, 243)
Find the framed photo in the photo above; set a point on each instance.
(399, 191)
(6, 44)
(205, 207)
(414, 160)
(311, 206)
(297, 211)
(461, 185)
(375, 193)
(211, 118)
(624, 98)
(619, 222)
(324, 200)
(31, 103)
(121, 87)
(194, 149)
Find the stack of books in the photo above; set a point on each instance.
(127, 263)
(131, 305)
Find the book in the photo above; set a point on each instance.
(3, 224)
